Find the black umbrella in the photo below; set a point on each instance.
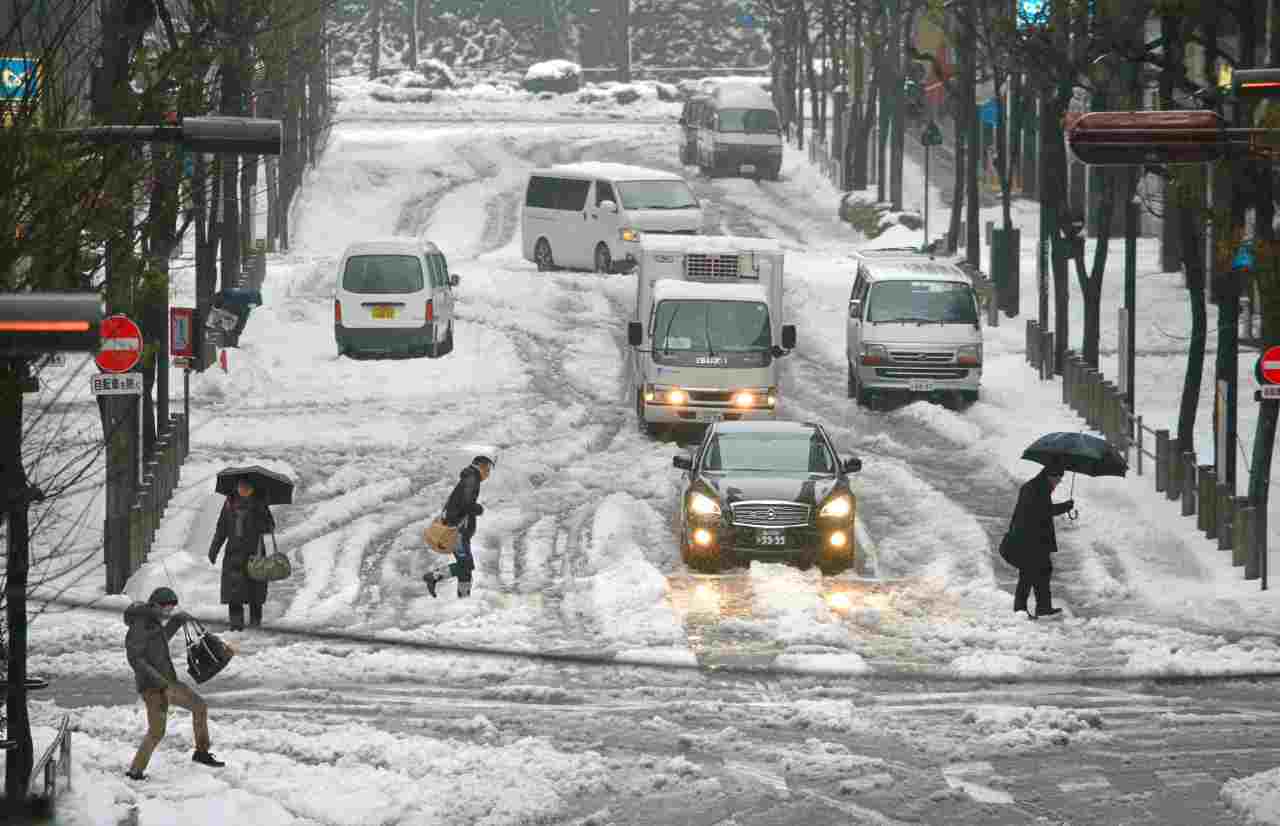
(274, 488)
(1078, 453)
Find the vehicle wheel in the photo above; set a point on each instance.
(773, 173)
(852, 389)
(968, 397)
(542, 256)
(448, 340)
(603, 259)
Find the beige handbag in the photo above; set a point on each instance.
(440, 537)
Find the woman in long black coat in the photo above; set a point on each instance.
(244, 522)
(1032, 529)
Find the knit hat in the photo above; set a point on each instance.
(163, 596)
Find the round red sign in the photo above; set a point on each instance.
(121, 345)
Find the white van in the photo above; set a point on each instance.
(913, 329)
(740, 133)
(394, 298)
(591, 216)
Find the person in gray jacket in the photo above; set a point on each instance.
(151, 625)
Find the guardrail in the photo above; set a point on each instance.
(160, 478)
(1237, 523)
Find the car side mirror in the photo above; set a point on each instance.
(454, 281)
(852, 465)
(609, 206)
(855, 309)
(635, 333)
(788, 336)
(683, 122)
(683, 462)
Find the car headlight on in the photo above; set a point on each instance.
(629, 234)
(703, 505)
(677, 396)
(838, 539)
(772, 398)
(969, 355)
(703, 537)
(839, 507)
(744, 398)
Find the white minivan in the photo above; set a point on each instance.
(913, 330)
(591, 216)
(394, 298)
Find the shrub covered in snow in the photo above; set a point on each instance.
(553, 76)
(436, 74)
(668, 92)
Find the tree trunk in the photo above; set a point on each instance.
(1170, 223)
(1091, 284)
(899, 125)
(375, 38)
(1264, 436)
(316, 115)
(414, 60)
(973, 237)
(957, 188)
(1192, 178)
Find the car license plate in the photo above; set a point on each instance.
(771, 537)
(710, 415)
(921, 386)
(384, 312)
(747, 168)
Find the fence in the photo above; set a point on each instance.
(1238, 525)
(54, 763)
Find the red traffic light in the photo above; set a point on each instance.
(1136, 138)
(32, 324)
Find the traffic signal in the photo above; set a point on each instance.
(1138, 138)
(32, 324)
(1254, 84)
(244, 136)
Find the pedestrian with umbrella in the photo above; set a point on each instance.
(243, 524)
(1031, 530)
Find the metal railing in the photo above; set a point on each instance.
(159, 481)
(55, 763)
(1237, 523)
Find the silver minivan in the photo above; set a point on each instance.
(394, 297)
(913, 330)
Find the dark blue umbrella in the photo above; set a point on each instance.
(1078, 453)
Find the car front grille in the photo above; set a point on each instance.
(702, 267)
(917, 357)
(770, 514)
(940, 373)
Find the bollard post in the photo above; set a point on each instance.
(1068, 372)
(1175, 470)
(1240, 532)
(1080, 393)
(1095, 398)
(135, 541)
(1162, 460)
(1207, 520)
(1253, 556)
(1225, 507)
(1188, 477)
(1110, 417)
(1028, 349)
(1050, 358)
(1137, 432)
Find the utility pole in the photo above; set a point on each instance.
(624, 31)
(973, 159)
(897, 144)
(1131, 250)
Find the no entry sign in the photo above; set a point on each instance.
(1269, 366)
(121, 346)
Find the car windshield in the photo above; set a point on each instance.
(382, 274)
(656, 195)
(924, 302)
(799, 452)
(711, 326)
(748, 120)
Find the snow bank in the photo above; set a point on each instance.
(553, 76)
(1257, 796)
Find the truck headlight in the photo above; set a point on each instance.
(838, 539)
(744, 398)
(839, 507)
(629, 234)
(703, 505)
(677, 396)
(970, 355)
(874, 354)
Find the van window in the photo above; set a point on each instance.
(604, 192)
(928, 302)
(557, 193)
(748, 120)
(436, 269)
(444, 269)
(383, 274)
(657, 195)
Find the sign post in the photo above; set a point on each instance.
(931, 137)
(119, 351)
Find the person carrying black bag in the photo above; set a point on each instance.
(244, 521)
(1032, 539)
(460, 511)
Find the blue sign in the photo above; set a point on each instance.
(1244, 259)
(746, 20)
(1032, 13)
(19, 78)
(989, 112)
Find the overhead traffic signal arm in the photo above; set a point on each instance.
(237, 136)
(1255, 84)
(32, 324)
(1158, 137)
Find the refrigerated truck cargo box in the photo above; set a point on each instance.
(708, 329)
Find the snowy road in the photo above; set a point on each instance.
(576, 554)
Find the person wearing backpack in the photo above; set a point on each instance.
(461, 511)
(151, 625)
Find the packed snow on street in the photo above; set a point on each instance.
(592, 676)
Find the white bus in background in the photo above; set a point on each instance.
(591, 216)
(707, 331)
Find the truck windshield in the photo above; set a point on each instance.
(923, 302)
(656, 195)
(748, 120)
(769, 452)
(711, 326)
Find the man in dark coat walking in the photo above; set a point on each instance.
(460, 512)
(1034, 536)
(151, 625)
(244, 521)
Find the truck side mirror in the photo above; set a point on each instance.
(635, 333)
(454, 281)
(788, 336)
(609, 206)
(682, 462)
(855, 309)
(852, 465)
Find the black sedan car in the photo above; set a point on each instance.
(769, 490)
